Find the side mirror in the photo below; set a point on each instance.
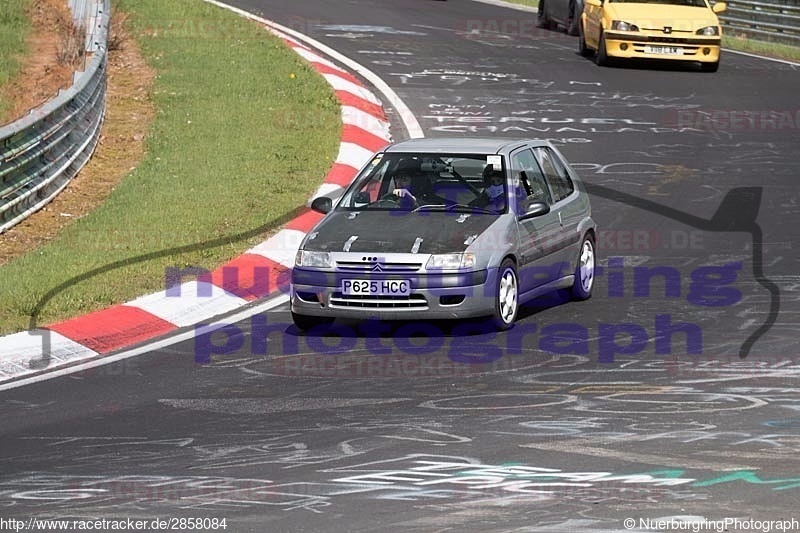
(719, 7)
(361, 198)
(595, 3)
(323, 205)
(535, 209)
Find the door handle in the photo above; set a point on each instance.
(559, 219)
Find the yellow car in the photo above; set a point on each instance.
(683, 30)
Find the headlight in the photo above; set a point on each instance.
(621, 25)
(708, 31)
(451, 261)
(305, 258)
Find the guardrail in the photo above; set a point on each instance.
(763, 20)
(41, 152)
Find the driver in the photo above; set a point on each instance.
(402, 189)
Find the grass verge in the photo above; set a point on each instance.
(776, 50)
(244, 132)
(14, 28)
(529, 3)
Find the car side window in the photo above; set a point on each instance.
(556, 174)
(531, 178)
(370, 189)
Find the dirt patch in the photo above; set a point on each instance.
(129, 112)
(42, 75)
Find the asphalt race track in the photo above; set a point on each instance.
(672, 397)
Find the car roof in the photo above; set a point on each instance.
(459, 145)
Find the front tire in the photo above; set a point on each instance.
(601, 57)
(710, 67)
(585, 269)
(583, 50)
(506, 301)
(306, 322)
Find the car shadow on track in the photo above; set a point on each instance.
(665, 65)
(421, 329)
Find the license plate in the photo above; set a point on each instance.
(386, 287)
(666, 50)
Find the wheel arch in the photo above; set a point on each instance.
(512, 256)
(587, 226)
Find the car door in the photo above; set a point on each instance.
(561, 10)
(538, 251)
(566, 204)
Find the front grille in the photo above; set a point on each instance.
(661, 30)
(377, 267)
(670, 40)
(663, 39)
(413, 301)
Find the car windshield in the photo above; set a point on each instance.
(690, 3)
(430, 182)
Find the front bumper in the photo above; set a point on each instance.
(638, 46)
(432, 295)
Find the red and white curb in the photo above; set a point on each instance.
(260, 272)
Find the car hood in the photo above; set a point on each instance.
(652, 16)
(382, 231)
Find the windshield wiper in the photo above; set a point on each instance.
(430, 206)
(455, 207)
(473, 208)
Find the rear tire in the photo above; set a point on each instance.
(585, 269)
(506, 301)
(543, 19)
(575, 21)
(306, 322)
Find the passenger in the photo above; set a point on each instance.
(496, 191)
(493, 196)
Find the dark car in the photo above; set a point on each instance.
(566, 13)
(447, 228)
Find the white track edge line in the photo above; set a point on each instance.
(150, 346)
(750, 54)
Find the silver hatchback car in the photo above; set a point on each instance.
(447, 228)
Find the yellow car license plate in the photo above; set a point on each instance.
(665, 50)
